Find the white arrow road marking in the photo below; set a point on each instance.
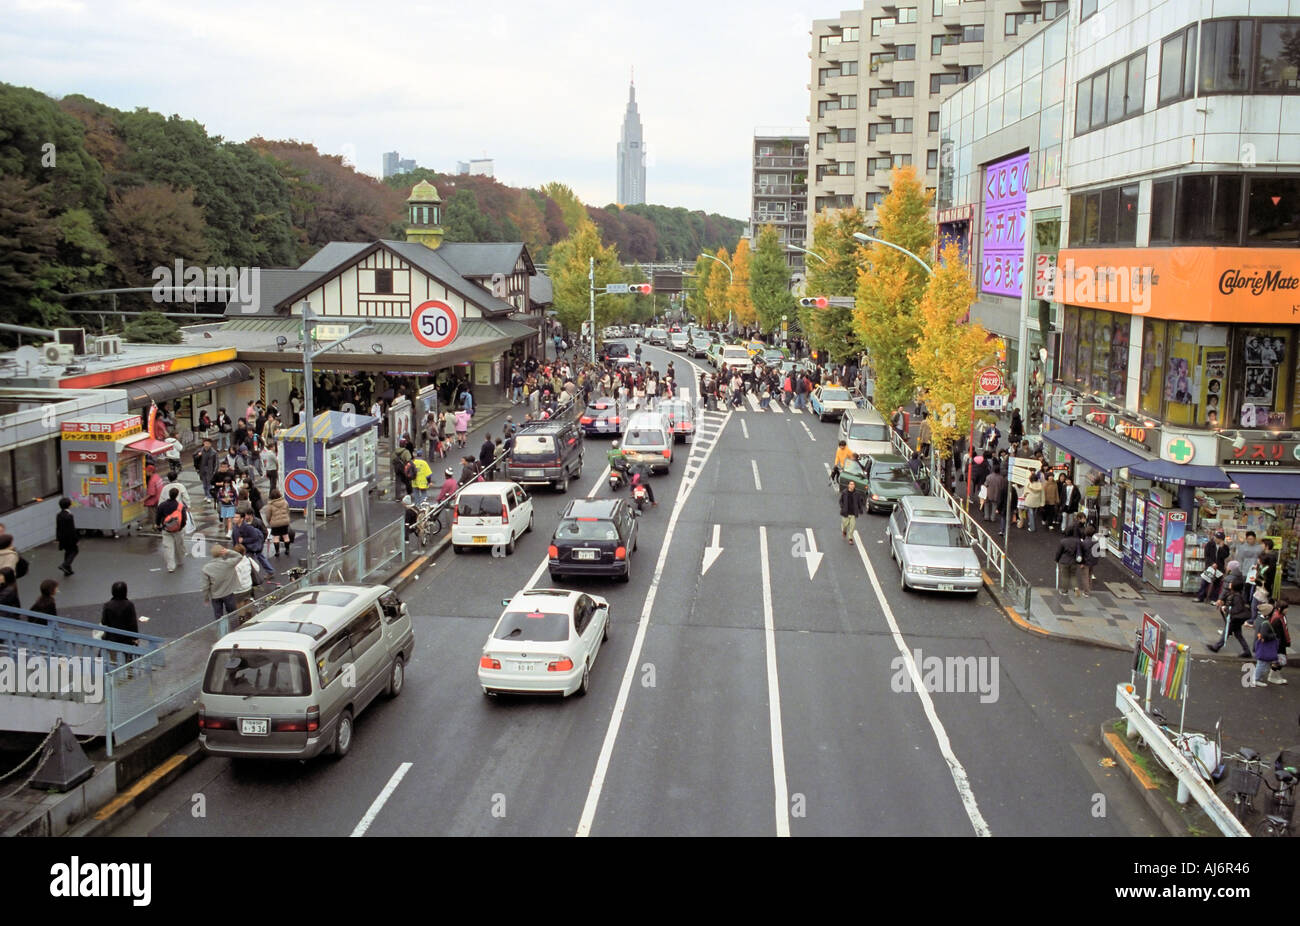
(744, 429)
(813, 558)
(958, 771)
(758, 483)
(382, 799)
(712, 552)
(804, 425)
(774, 695)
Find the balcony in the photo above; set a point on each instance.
(787, 162)
(778, 189)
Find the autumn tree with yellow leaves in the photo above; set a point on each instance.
(717, 289)
(740, 299)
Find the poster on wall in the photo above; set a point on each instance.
(1175, 540)
(1002, 239)
(1216, 370)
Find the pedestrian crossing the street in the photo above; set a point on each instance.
(752, 403)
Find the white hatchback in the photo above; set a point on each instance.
(545, 642)
(491, 514)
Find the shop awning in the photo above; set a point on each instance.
(151, 446)
(1090, 448)
(1180, 474)
(1267, 487)
(162, 388)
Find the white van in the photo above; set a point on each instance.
(490, 514)
(289, 683)
(648, 438)
(865, 432)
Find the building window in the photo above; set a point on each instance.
(878, 128)
(1111, 95)
(1277, 68)
(874, 199)
(825, 74)
(29, 473)
(880, 57)
(1225, 55)
(907, 14)
(876, 94)
(936, 8)
(1273, 210)
(824, 139)
(879, 25)
(848, 68)
(1017, 21)
(902, 160)
(827, 106)
(828, 42)
(839, 201)
(1054, 8)
(932, 159)
(384, 281)
(1086, 9)
(934, 122)
(905, 52)
(939, 42)
(971, 71)
(849, 102)
(1104, 217)
(905, 88)
(902, 125)
(1151, 387)
(1174, 61)
(972, 33)
(851, 33)
(848, 135)
(939, 81)
(846, 168)
(1162, 212)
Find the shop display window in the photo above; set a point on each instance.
(1195, 371)
(1151, 385)
(1263, 358)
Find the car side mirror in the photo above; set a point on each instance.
(505, 602)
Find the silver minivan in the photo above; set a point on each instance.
(927, 541)
(865, 432)
(290, 682)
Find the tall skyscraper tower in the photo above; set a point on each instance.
(631, 155)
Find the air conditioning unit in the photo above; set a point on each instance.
(57, 354)
(108, 345)
(74, 336)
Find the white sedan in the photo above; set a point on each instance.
(831, 402)
(545, 642)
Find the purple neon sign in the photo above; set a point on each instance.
(1002, 269)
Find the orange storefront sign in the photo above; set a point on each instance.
(1258, 285)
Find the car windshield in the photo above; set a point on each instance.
(264, 673)
(533, 627)
(479, 506)
(935, 534)
(867, 432)
(737, 352)
(891, 472)
(836, 395)
(701, 342)
(647, 437)
(586, 529)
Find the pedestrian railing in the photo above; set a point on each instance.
(61, 638)
(152, 686)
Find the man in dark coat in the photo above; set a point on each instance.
(65, 532)
(207, 466)
(852, 504)
(119, 614)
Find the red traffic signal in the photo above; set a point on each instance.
(641, 288)
(818, 302)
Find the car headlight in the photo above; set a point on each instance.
(972, 572)
(875, 497)
(917, 570)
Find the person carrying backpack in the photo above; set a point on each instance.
(170, 521)
(404, 467)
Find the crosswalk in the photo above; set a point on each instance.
(751, 403)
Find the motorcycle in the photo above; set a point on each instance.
(639, 497)
(616, 480)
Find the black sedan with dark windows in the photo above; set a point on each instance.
(595, 537)
(602, 416)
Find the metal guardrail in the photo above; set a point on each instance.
(167, 679)
(64, 638)
(1139, 724)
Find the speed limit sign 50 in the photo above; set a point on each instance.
(434, 324)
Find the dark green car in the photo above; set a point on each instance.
(884, 479)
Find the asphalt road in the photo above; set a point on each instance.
(759, 697)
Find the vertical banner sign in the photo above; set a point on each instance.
(1003, 231)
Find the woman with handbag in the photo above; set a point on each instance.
(1236, 612)
(1266, 646)
(277, 519)
(1278, 620)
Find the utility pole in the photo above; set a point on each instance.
(591, 288)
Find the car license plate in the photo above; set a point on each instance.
(585, 554)
(477, 539)
(254, 726)
(529, 473)
(946, 587)
(524, 666)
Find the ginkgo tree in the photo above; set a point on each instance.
(739, 299)
(718, 289)
(950, 350)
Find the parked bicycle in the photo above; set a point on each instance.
(1204, 754)
(1248, 773)
(428, 522)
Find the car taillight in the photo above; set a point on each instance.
(487, 662)
(553, 551)
(313, 719)
(561, 665)
(455, 515)
(505, 515)
(586, 419)
(616, 419)
(620, 553)
(668, 454)
(290, 726)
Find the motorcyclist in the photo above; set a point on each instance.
(640, 476)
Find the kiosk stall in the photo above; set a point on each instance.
(104, 458)
(345, 453)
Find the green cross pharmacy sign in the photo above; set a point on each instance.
(1180, 450)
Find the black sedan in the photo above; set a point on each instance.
(602, 416)
(884, 479)
(595, 537)
(700, 346)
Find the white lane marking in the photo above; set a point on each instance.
(758, 483)
(828, 468)
(812, 557)
(804, 425)
(378, 803)
(752, 402)
(713, 550)
(744, 428)
(959, 776)
(633, 662)
(774, 695)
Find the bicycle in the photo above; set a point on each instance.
(1282, 805)
(428, 522)
(1204, 754)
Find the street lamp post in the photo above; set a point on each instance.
(732, 282)
(795, 247)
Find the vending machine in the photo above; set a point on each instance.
(1165, 546)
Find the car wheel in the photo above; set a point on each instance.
(605, 636)
(529, 528)
(510, 546)
(555, 576)
(562, 485)
(585, 685)
(396, 678)
(343, 735)
(902, 579)
(457, 548)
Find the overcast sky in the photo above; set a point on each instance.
(539, 87)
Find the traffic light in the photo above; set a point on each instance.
(818, 302)
(640, 288)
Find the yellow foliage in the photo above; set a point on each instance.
(740, 301)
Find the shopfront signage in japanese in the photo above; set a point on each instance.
(1136, 432)
(1045, 277)
(101, 430)
(129, 374)
(1262, 453)
(1002, 238)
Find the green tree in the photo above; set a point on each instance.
(571, 208)
(152, 328)
(950, 351)
(151, 226)
(770, 280)
(568, 270)
(891, 285)
(832, 329)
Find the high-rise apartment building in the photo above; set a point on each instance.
(631, 155)
(780, 188)
(394, 164)
(478, 167)
(879, 74)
